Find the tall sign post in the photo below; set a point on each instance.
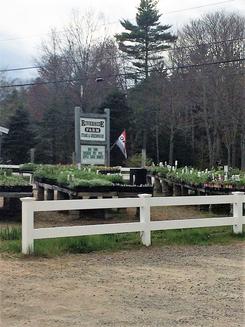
(92, 138)
(3, 130)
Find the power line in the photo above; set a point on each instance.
(118, 75)
(206, 64)
(198, 7)
(123, 56)
(117, 22)
(20, 68)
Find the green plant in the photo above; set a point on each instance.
(10, 233)
(12, 180)
(72, 177)
(29, 167)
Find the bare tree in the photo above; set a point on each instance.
(215, 44)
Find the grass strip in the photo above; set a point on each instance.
(11, 241)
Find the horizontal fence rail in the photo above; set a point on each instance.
(145, 226)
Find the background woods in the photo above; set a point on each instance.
(181, 97)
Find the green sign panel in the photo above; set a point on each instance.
(93, 154)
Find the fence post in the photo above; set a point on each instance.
(145, 217)
(27, 225)
(238, 211)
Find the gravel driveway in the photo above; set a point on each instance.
(157, 286)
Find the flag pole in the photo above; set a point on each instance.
(113, 145)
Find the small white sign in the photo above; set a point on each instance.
(4, 130)
(93, 154)
(92, 129)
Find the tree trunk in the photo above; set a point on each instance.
(143, 159)
(192, 137)
(229, 155)
(243, 151)
(157, 140)
(217, 151)
(171, 146)
(233, 161)
(210, 149)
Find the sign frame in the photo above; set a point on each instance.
(92, 129)
(4, 130)
(79, 143)
(85, 149)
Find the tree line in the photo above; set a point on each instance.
(179, 97)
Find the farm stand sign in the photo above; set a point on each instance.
(92, 129)
(92, 137)
(93, 155)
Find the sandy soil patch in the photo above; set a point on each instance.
(157, 286)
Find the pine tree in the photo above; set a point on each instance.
(19, 141)
(145, 41)
(56, 134)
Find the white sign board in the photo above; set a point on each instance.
(93, 154)
(4, 130)
(92, 129)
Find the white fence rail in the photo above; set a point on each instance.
(145, 226)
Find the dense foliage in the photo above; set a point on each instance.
(20, 139)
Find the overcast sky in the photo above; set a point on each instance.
(25, 23)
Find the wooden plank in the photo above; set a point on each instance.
(96, 194)
(75, 194)
(55, 187)
(127, 195)
(45, 186)
(15, 194)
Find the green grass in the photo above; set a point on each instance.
(11, 241)
(196, 236)
(86, 244)
(10, 233)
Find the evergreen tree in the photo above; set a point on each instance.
(145, 41)
(50, 134)
(56, 134)
(20, 139)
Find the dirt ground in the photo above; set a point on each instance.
(157, 286)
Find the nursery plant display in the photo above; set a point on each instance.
(86, 179)
(13, 183)
(73, 178)
(215, 178)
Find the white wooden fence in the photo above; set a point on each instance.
(145, 226)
